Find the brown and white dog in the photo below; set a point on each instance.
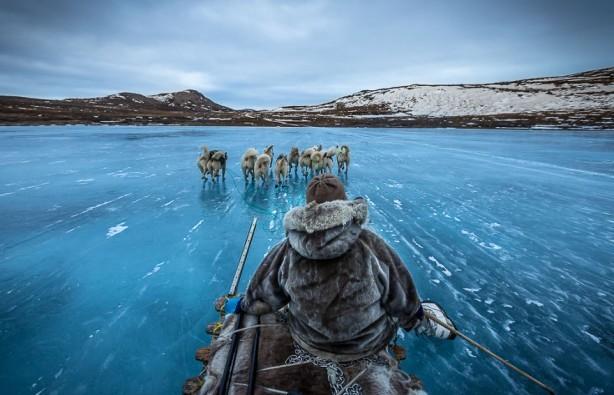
(332, 151)
(294, 159)
(217, 163)
(248, 161)
(305, 161)
(281, 170)
(269, 151)
(328, 163)
(212, 162)
(343, 159)
(317, 162)
(202, 162)
(262, 167)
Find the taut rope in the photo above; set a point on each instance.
(492, 354)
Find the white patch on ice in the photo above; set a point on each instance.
(489, 301)
(139, 199)
(59, 373)
(596, 339)
(394, 185)
(507, 323)
(197, 225)
(535, 302)
(507, 306)
(155, 269)
(272, 225)
(490, 246)
(474, 290)
(398, 204)
(168, 203)
(37, 186)
(471, 235)
(411, 247)
(470, 353)
(441, 266)
(84, 180)
(217, 257)
(87, 210)
(117, 229)
(107, 361)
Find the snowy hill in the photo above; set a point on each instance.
(188, 100)
(582, 91)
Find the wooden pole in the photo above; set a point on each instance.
(226, 379)
(487, 351)
(248, 243)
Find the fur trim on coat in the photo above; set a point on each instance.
(317, 217)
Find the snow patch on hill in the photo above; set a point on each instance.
(163, 97)
(591, 90)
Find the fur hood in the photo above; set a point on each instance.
(318, 217)
(326, 230)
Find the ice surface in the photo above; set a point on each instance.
(520, 220)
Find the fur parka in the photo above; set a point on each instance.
(347, 291)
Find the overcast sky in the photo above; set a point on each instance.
(264, 54)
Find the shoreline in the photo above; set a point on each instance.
(247, 126)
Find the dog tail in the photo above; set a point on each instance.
(250, 153)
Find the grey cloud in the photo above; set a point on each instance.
(266, 54)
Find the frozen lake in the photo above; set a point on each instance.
(112, 251)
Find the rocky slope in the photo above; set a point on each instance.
(124, 108)
(188, 100)
(577, 100)
(582, 100)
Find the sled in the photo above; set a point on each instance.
(251, 354)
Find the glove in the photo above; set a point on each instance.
(233, 305)
(429, 327)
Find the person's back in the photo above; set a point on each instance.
(347, 291)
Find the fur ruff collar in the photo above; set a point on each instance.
(316, 217)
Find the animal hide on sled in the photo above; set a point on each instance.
(377, 374)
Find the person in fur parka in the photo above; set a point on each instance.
(346, 289)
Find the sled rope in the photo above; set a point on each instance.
(285, 365)
(246, 328)
(490, 353)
